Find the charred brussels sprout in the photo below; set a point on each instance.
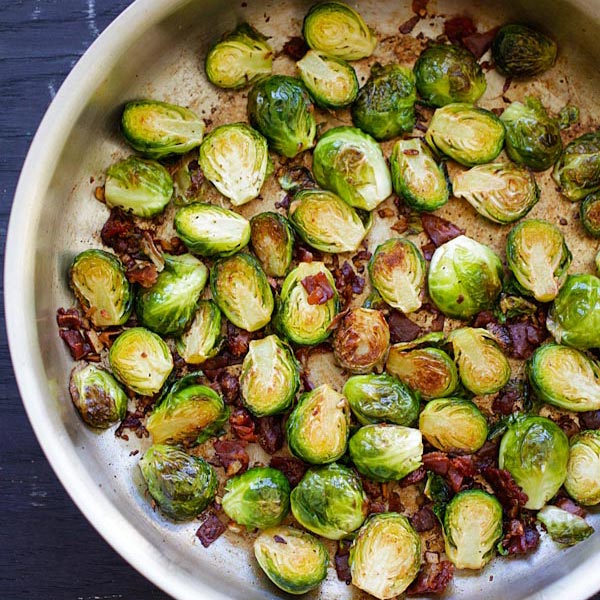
(351, 164)
(272, 240)
(583, 469)
(201, 341)
(182, 485)
(590, 214)
(564, 527)
(98, 281)
(280, 108)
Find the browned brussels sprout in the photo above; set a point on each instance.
(272, 240)
(590, 214)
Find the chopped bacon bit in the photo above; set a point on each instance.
(526, 336)
(295, 48)
(568, 425)
(348, 283)
(590, 419)
(387, 211)
(571, 507)
(486, 456)
(458, 28)
(428, 250)
(242, 425)
(318, 288)
(238, 340)
(107, 336)
(361, 257)
(172, 246)
(433, 578)
(372, 488)
(285, 203)
(211, 529)
(521, 536)
(120, 233)
(505, 87)
(402, 329)
(438, 322)
(70, 318)
(342, 567)
(424, 519)
(133, 422)
(395, 502)
(214, 366)
(292, 468)
(439, 230)
(506, 401)
(479, 43)
(509, 493)
(230, 387)
(302, 254)
(414, 477)
(232, 455)
(196, 177)
(145, 274)
(78, 347)
(419, 7)
(484, 318)
(270, 433)
(409, 25)
(377, 506)
(454, 470)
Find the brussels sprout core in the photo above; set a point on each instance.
(272, 240)
(583, 469)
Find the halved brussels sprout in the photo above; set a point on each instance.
(293, 560)
(239, 58)
(210, 230)
(351, 164)
(201, 341)
(469, 135)
(157, 129)
(385, 105)
(269, 379)
(182, 485)
(139, 186)
(98, 398)
(330, 501)
(241, 290)
(482, 366)
(589, 212)
(319, 425)
(501, 192)
(535, 451)
(385, 556)
(465, 277)
(280, 108)
(472, 527)
(597, 262)
(583, 469)
(564, 527)
(337, 30)
(98, 281)
(140, 360)
(538, 257)
(272, 240)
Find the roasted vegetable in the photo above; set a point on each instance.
(202, 340)
(564, 527)
(583, 469)
(272, 240)
(589, 212)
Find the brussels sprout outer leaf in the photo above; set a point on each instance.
(564, 527)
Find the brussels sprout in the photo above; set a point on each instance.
(574, 317)
(98, 281)
(520, 51)
(532, 136)
(280, 108)
(293, 560)
(337, 30)
(239, 58)
(564, 527)
(446, 73)
(385, 105)
(139, 186)
(269, 379)
(583, 469)
(98, 398)
(568, 115)
(501, 192)
(201, 341)
(535, 451)
(242, 292)
(301, 316)
(351, 164)
(482, 366)
(385, 556)
(538, 257)
(471, 136)
(293, 178)
(169, 305)
(325, 222)
(319, 425)
(330, 501)
(182, 485)
(210, 230)
(157, 129)
(589, 211)
(465, 277)
(140, 360)
(472, 527)
(272, 240)
(511, 307)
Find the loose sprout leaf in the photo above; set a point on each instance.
(564, 527)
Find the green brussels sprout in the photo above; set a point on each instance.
(416, 176)
(272, 239)
(210, 230)
(589, 212)
(319, 425)
(397, 272)
(361, 340)
(351, 164)
(469, 135)
(157, 129)
(568, 115)
(538, 257)
(269, 379)
(511, 307)
(181, 485)
(385, 556)
(330, 501)
(574, 317)
(169, 305)
(500, 192)
(239, 58)
(98, 281)
(446, 73)
(202, 340)
(325, 222)
(140, 360)
(521, 51)
(564, 527)
(532, 136)
(583, 469)
(465, 277)
(472, 527)
(242, 292)
(260, 497)
(139, 186)
(302, 316)
(535, 451)
(293, 560)
(280, 108)
(98, 398)
(381, 398)
(339, 31)
(386, 452)
(385, 105)
(482, 366)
